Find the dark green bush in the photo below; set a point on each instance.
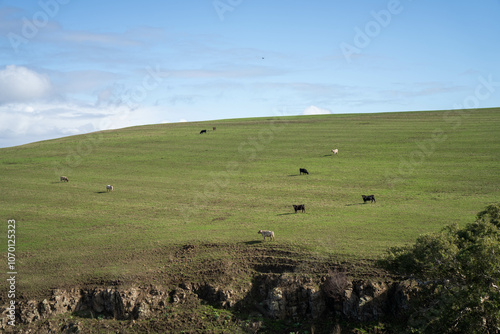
(459, 275)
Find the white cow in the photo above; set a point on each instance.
(265, 234)
(109, 188)
(335, 151)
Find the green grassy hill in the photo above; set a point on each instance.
(174, 186)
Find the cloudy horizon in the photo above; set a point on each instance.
(70, 68)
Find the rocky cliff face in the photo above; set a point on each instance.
(284, 296)
(295, 297)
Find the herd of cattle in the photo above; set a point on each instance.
(265, 233)
(302, 207)
(205, 130)
(65, 179)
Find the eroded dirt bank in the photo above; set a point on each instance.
(265, 290)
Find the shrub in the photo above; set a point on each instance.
(459, 275)
(335, 285)
(490, 214)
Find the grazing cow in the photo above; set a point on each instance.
(64, 178)
(335, 151)
(214, 128)
(301, 207)
(370, 198)
(203, 131)
(109, 188)
(303, 171)
(265, 234)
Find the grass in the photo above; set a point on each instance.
(174, 186)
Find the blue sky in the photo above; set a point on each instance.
(70, 67)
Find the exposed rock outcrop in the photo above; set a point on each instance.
(284, 296)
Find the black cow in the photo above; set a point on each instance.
(370, 198)
(203, 131)
(303, 170)
(301, 207)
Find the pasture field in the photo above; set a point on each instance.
(175, 187)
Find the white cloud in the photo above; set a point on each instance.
(313, 110)
(29, 109)
(20, 84)
(21, 123)
(228, 71)
(78, 82)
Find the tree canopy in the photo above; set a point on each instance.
(458, 270)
